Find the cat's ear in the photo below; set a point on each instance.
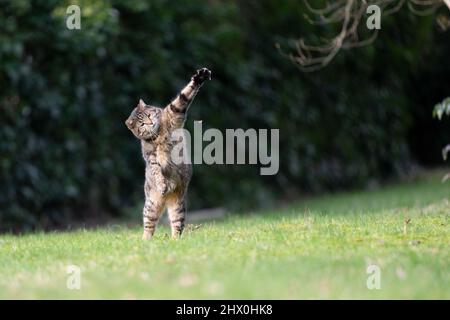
(141, 104)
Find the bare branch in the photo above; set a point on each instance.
(348, 13)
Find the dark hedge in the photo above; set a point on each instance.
(66, 154)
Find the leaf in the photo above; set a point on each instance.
(441, 108)
(445, 151)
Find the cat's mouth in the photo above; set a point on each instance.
(151, 137)
(149, 134)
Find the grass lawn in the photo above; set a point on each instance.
(317, 248)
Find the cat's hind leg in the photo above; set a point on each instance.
(153, 207)
(176, 208)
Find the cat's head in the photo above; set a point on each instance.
(144, 121)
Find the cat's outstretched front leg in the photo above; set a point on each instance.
(179, 106)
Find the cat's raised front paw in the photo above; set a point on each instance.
(202, 75)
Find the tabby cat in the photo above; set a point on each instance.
(166, 183)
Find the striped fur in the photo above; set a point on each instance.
(166, 183)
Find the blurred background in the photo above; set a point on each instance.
(66, 155)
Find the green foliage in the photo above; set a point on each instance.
(442, 108)
(439, 110)
(319, 248)
(65, 152)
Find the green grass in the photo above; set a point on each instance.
(317, 248)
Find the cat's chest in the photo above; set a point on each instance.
(159, 152)
(163, 155)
